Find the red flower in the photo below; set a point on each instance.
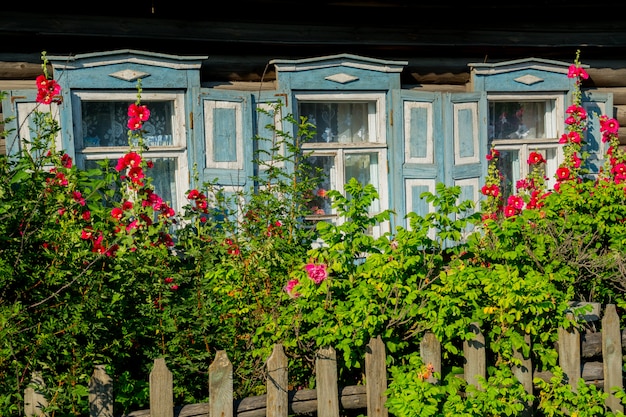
(317, 272)
(562, 173)
(140, 112)
(134, 123)
(47, 90)
(117, 213)
(536, 158)
(66, 161)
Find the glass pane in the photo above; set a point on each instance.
(517, 119)
(363, 167)
(162, 174)
(105, 123)
(340, 122)
(510, 170)
(320, 204)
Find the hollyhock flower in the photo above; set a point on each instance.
(317, 272)
(535, 158)
(570, 137)
(562, 173)
(66, 161)
(321, 193)
(493, 154)
(289, 288)
(87, 233)
(127, 205)
(47, 90)
(174, 287)
(516, 201)
(134, 123)
(117, 213)
(193, 194)
(136, 175)
(576, 71)
(509, 211)
(577, 111)
(78, 197)
(86, 215)
(131, 159)
(609, 125)
(169, 280)
(490, 190)
(139, 111)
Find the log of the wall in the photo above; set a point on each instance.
(376, 378)
(326, 383)
(221, 386)
(475, 357)
(277, 383)
(612, 357)
(300, 402)
(430, 351)
(607, 77)
(161, 390)
(100, 393)
(569, 353)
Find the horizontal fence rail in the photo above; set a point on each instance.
(576, 358)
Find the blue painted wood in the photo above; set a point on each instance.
(523, 75)
(225, 149)
(465, 143)
(342, 72)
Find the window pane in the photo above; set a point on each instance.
(363, 167)
(510, 169)
(321, 205)
(517, 119)
(341, 122)
(105, 123)
(162, 174)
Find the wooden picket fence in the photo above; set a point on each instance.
(576, 356)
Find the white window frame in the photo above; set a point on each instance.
(177, 151)
(377, 144)
(554, 131)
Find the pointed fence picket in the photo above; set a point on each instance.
(328, 399)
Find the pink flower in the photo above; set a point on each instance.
(317, 272)
(609, 125)
(576, 71)
(289, 288)
(516, 201)
(169, 280)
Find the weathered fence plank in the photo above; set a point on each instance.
(161, 390)
(100, 393)
(34, 400)
(475, 357)
(277, 383)
(221, 386)
(376, 378)
(612, 356)
(326, 383)
(327, 398)
(430, 350)
(569, 353)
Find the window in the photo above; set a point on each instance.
(349, 143)
(521, 124)
(102, 134)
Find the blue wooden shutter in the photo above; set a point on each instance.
(18, 107)
(596, 104)
(226, 154)
(416, 153)
(465, 121)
